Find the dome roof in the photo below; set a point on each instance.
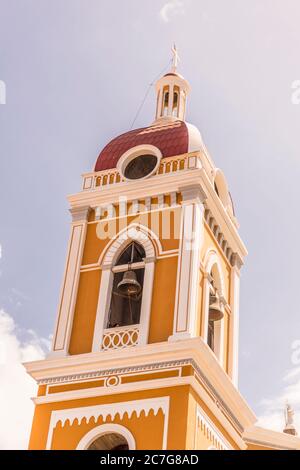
(171, 138)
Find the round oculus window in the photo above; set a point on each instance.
(140, 167)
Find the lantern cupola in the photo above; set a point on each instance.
(172, 90)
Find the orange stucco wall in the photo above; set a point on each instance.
(147, 431)
(162, 310)
(85, 312)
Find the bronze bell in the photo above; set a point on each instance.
(215, 312)
(129, 284)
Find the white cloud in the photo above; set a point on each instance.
(272, 416)
(16, 387)
(171, 9)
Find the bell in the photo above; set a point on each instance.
(129, 284)
(215, 312)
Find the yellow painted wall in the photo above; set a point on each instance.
(161, 323)
(209, 244)
(196, 438)
(85, 312)
(163, 300)
(164, 291)
(68, 437)
(147, 433)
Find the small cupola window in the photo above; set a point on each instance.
(175, 104)
(165, 103)
(139, 162)
(140, 167)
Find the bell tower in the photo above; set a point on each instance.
(145, 346)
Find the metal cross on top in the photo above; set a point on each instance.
(175, 58)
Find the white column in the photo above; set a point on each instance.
(171, 100)
(103, 306)
(234, 318)
(159, 103)
(69, 289)
(191, 238)
(146, 301)
(205, 306)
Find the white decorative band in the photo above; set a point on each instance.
(210, 432)
(110, 409)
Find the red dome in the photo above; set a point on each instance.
(171, 139)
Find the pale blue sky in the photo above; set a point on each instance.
(76, 72)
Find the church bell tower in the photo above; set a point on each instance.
(145, 346)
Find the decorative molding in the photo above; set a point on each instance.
(210, 431)
(99, 431)
(271, 439)
(160, 384)
(121, 337)
(211, 378)
(192, 193)
(133, 232)
(154, 366)
(236, 260)
(220, 239)
(134, 152)
(110, 409)
(112, 372)
(191, 238)
(68, 294)
(102, 180)
(80, 213)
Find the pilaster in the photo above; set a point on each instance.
(69, 289)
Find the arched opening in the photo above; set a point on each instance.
(112, 437)
(175, 105)
(109, 441)
(165, 101)
(110, 306)
(127, 287)
(215, 313)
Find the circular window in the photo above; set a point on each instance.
(140, 167)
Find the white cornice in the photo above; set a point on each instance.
(267, 438)
(227, 227)
(160, 384)
(165, 184)
(209, 371)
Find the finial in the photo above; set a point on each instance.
(175, 59)
(289, 420)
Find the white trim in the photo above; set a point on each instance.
(212, 260)
(134, 152)
(234, 325)
(157, 384)
(133, 232)
(146, 303)
(212, 376)
(162, 183)
(271, 439)
(211, 431)
(102, 308)
(99, 431)
(64, 321)
(111, 409)
(188, 264)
